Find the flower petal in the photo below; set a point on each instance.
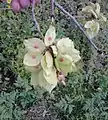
(38, 79)
(92, 28)
(49, 71)
(64, 59)
(103, 18)
(32, 60)
(34, 46)
(51, 78)
(54, 49)
(49, 59)
(88, 24)
(50, 36)
(66, 46)
(67, 68)
(91, 9)
(97, 6)
(33, 69)
(75, 54)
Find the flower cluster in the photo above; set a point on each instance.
(93, 12)
(50, 61)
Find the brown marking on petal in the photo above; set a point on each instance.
(49, 38)
(61, 60)
(36, 46)
(33, 56)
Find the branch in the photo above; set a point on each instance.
(77, 24)
(33, 16)
(52, 8)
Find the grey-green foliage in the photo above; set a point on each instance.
(85, 95)
(96, 107)
(80, 102)
(13, 105)
(8, 107)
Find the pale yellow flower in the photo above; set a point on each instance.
(46, 59)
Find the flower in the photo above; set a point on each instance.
(92, 28)
(94, 9)
(45, 60)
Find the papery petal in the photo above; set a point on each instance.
(47, 62)
(43, 63)
(31, 60)
(97, 8)
(88, 24)
(54, 49)
(64, 63)
(33, 69)
(91, 9)
(50, 36)
(64, 59)
(38, 79)
(75, 54)
(51, 78)
(49, 71)
(34, 46)
(94, 14)
(64, 45)
(57, 64)
(92, 29)
(67, 68)
(49, 59)
(88, 8)
(103, 18)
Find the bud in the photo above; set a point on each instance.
(24, 3)
(15, 6)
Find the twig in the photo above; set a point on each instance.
(52, 8)
(33, 16)
(77, 24)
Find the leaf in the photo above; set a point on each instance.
(32, 60)
(50, 36)
(92, 28)
(34, 46)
